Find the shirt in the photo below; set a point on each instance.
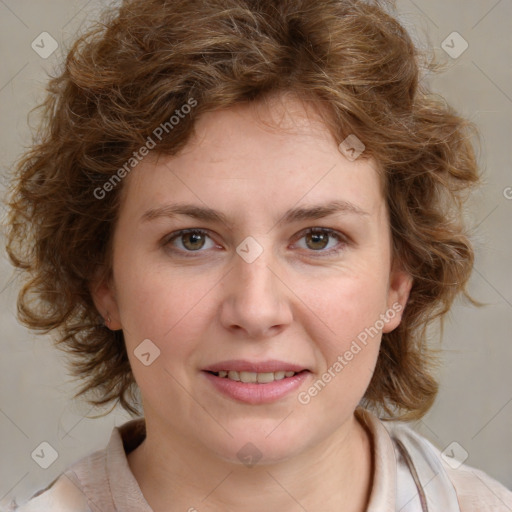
(410, 475)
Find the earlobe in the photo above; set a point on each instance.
(400, 285)
(104, 297)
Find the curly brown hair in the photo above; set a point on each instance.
(129, 74)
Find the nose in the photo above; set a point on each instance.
(256, 301)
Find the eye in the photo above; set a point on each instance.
(189, 240)
(323, 240)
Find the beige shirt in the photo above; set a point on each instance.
(410, 475)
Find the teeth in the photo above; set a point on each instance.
(253, 377)
(233, 375)
(263, 378)
(248, 376)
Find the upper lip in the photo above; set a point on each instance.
(240, 365)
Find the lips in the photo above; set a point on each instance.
(256, 382)
(256, 393)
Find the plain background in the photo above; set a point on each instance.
(474, 407)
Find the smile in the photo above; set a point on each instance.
(255, 388)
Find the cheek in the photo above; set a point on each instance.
(165, 307)
(172, 316)
(347, 354)
(349, 346)
(350, 308)
(349, 305)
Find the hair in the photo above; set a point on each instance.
(132, 71)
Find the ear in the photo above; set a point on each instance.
(400, 284)
(104, 297)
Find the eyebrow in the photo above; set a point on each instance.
(292, 215)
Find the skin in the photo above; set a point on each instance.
(297, 302)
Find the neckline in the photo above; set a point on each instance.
(127, 495)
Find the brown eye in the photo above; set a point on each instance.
(323, 241)
(189, 241)
(193, 241)
(317, 241)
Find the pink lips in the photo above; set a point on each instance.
(256, 393)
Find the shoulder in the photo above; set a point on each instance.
(475, 491)
(478, 492)
(87, 485)
(71, 491)
(62, 495)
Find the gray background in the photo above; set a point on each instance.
(474, 407)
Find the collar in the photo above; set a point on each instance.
(128, 497)
(126, 493)
(383, 493)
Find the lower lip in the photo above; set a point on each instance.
(254, 393)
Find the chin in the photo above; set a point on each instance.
(261, 446)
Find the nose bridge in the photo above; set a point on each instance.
(256, 279)
(252, 262)
(257, 282)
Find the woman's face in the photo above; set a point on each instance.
(271, 278)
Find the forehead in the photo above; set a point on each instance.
(257, 155)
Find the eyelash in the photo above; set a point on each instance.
(344, 241)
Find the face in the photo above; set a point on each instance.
(283, 261)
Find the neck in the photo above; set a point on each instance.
(334, 473)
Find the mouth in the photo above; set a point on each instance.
(256, 383)
(255, 377)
